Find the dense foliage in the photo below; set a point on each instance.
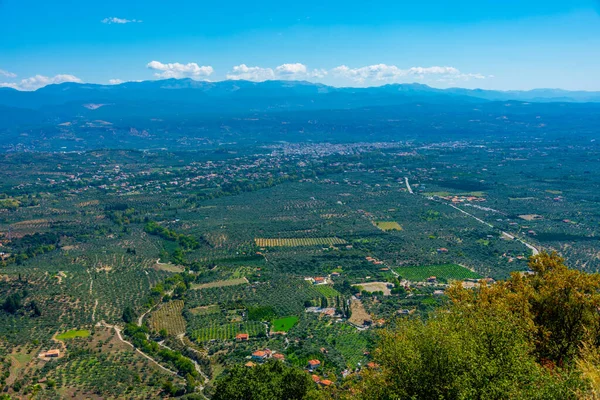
(270, 381)
(518, 339)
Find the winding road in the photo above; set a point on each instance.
(118, 330)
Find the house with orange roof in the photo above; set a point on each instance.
(313, 364)
(325, 382)
(261, 355)
(242, 337)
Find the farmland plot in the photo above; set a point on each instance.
(387, 226)
(227, 331)
(445, 272)
(169, 318)
(297, 242)
(228, 282)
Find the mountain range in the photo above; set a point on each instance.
(270, 94)
(175, 109)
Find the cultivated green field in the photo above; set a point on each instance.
(387, 225)
(284, 324)
(73, 334)
(445, 272)
(295, 242)
(228, 331)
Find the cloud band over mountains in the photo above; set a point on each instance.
(370, 75)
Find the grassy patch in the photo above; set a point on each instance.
(215, 284)
(169, 267)
(327, 290)
(445, 272)
(73, 334)
(284, 324)
(206, 310)
(387, 225)
(440, 194)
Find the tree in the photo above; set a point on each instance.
(515, 339)
(557, 305)
(35, 308)
(270, 381)
(12, 304)
(128, 315)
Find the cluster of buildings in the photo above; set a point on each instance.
(374, 260)
(260, 356)
(462, 199)
(328, 149)
(329, 312)
(318, 280)
(205, 174)
(323, 382)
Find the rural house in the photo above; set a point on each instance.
(313, 364)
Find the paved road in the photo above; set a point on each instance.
(408, 186)
(533, 249)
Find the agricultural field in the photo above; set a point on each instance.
(206, 310)
(236, 243)
(387, 226)
(327, 291)
(297, 242)
(73, 334)
(216, 284)
(446, 272)
(227, 331)
(284, 324)
(168, 318)
(375, 287)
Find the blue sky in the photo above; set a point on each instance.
(496, 44)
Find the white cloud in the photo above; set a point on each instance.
(295, 71)
(383, 73)
(115, 81)
(291, 69)
(177, 70)
(38, 81)
(244, 72)
(7, 74)
(318, 73)
(115, 20)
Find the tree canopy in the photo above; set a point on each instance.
(270, 381)
(533, 336)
